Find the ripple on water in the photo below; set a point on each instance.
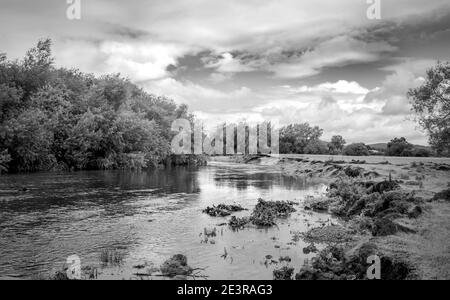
(149, 216)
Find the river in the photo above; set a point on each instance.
(147, 216)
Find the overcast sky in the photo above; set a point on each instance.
(289, 61)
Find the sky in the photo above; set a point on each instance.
(285, 61)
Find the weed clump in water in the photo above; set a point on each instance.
(310, 249)
(285, 273)
(238, 223)
(176, 266)
(265, 212)
(222, 210)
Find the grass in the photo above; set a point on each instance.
(111, 257)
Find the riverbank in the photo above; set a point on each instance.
(412, 230)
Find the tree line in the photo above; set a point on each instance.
(305, 139)
(62, 119)
(430, 104)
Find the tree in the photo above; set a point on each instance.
(29, 141)
(358, 149)
(55, 118)
(316, 147)
(431, 104)
(399, 147)
(294, 138)
(337, 144)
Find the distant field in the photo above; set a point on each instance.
(371, 159)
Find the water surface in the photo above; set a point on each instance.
(147, 216)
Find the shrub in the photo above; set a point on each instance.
(358, 149)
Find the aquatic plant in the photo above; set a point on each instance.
(265, 212)
(111, 257)
(222, 210)
(285, 273)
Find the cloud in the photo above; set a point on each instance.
(291, 60)
(141, 61)
(226, 63)
(336, 112)
(225, 66)
(201, 98)
(138, 60)
(335, 52)
(406, 74)
(339, 87)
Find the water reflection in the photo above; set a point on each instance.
(46, 217)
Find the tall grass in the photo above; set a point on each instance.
(111, 257)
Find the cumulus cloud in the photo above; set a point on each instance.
(141, 61)
(339, 87)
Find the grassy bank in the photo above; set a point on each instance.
(397, 209)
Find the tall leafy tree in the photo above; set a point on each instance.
(294, 138)
(399, 147)
(337, 144)
(431, 104)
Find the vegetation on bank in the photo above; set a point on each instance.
(430, 106)
(305, 139)
(58, 119)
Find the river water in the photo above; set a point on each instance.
(148, 217)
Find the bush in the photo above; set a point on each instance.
(421, 152)
(399, 147)
(316, 147)
(358, 149)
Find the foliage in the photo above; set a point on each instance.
(55, 118)
(296, 137)
(5, 158)
(337, 144)
(316, 147)
(399, 147)
(358, 149)
(431, 103)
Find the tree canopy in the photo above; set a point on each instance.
(295, 138)
(357, 149)
(55, 118)
(431, 104)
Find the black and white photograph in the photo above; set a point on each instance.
(224, 141)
